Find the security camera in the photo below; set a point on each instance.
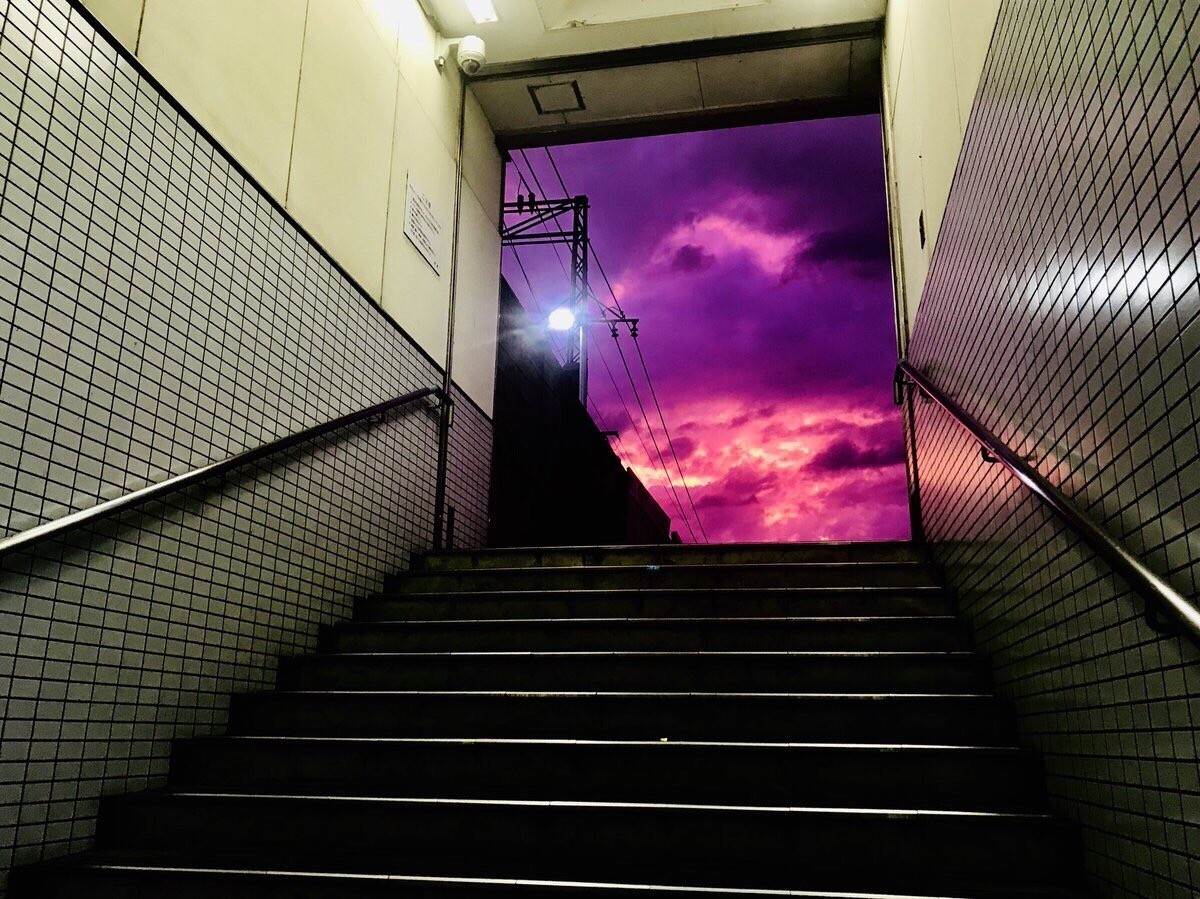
(472, 54)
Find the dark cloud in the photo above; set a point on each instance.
(863, 249)
(616, 418)
(754, 415)
(846, 455)
(694, 231)
(868, 491)
(685, 447)
(827, 171)
(740, 487)
(691, 258)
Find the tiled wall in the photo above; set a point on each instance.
(1062, 310)
(469, 480)
(157, 313)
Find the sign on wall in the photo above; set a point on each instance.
(423, 224)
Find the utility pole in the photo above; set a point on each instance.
(560, 221)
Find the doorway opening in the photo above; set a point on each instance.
(738, 321)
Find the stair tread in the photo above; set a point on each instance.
(656, 566)
(539, 741)
(151, 863)
(849, 812)
(660, 653)
(366, 766)
(681, 548)
(655, 591)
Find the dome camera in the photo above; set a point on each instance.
(472, 54)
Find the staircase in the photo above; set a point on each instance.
(606, 722)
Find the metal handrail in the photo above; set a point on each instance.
(60, 526)
(1156, 591)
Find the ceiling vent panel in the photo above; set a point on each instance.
(549, 99)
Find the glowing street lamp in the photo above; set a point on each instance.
(562, 319)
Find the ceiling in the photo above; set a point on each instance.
(569, 70)
(538, 29)
(826, 78)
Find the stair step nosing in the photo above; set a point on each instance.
(627, 619)
(665, 591)
(500, 881)
(625, 694)
(672, 547)
(933, 748)
(592, 653)
(782, 810)
(669, 566)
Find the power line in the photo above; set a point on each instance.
(536, 179)
(654, 440)
(628, 413)
(591, 248)
(537, 307)
(545, 226)
(673, 490)
(646, 372)
(607, 283)
(599, 345)
(557, 173)
(604, 424)
(532, 296)
(670, 442)
(567, 193)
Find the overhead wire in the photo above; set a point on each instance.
(562, 265)
(521, 264)
(670, 443)
(645, 369)
(567, 193)
(604, 425)
(673, 490)
(653, 439)
(591, 248)
(604, 361)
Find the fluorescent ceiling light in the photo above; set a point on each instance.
(482, 11)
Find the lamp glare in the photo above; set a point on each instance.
(562, 319)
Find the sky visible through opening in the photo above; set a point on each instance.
(757, 261)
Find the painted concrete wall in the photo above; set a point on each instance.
(933, 54)
(333, 105)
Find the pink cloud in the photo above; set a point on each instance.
(756, 260)
(750, 485)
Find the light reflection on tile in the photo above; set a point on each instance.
(1062, 310)
(158, 313)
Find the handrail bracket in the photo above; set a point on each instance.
(1160, 597)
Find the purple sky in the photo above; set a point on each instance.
(757, 260)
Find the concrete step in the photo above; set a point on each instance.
(885, 718)
(671, 554)
(865, 718)
(655, 603)
(700, 845)
(931, 632)
(770, 672)
(627, 577)
(980, 778)
(134, 876)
